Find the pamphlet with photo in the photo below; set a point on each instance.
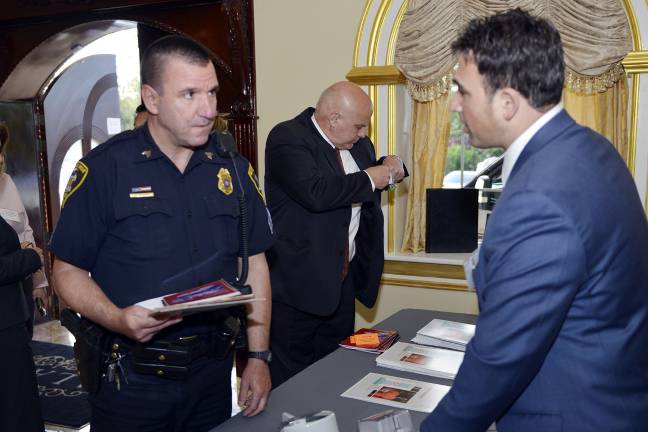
(438, 362)
(397, 392)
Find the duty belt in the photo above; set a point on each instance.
(173, 358)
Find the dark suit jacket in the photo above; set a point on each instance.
(15, 265)
(562, 282)
(310, 200)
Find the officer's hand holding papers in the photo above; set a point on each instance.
(140, 324)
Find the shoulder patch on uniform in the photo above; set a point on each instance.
(254, 180)
(77, 178)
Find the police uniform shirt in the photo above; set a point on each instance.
(134, 221)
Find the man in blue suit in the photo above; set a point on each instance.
(561, 342)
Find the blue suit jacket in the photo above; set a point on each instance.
(562, 337)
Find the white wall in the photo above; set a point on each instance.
(394, 298)
(302, 46)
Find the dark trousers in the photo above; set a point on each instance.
(298, 339)
(148, 403)
(19, 401)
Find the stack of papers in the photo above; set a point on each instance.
(435, 362)
(397, 392)
(445, 334)
(370, 340)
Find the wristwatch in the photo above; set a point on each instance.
(266, 356)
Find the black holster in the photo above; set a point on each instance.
(91, 348)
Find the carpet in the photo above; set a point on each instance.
(63, 401)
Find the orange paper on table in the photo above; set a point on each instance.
(365, 340)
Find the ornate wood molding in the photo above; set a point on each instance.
(243, 114)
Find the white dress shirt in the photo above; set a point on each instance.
(350, 167)
(513, 152)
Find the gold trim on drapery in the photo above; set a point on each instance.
(587, 84)
(430, 92)
(595, 33)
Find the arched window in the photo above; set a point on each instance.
(394, 113)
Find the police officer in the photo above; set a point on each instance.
(145, 206)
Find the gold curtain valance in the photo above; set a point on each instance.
(595, 33)
(430, 92)
(584, 84)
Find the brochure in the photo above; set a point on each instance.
(219, 288)
(370, 340)
(397, 392)
(445, 334)
(438, 362)
(214, 295)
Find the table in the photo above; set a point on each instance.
(319, 386)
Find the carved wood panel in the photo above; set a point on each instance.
(224, 26)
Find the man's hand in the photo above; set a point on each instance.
(138, 324)
(380, 175)
(255, 387)
(395, 165)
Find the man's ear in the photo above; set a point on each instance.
(151, 98)
(509, 102)
(333, 118)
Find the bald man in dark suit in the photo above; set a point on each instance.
(323, 186)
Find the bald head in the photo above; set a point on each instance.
(343, 112)
(342, 96)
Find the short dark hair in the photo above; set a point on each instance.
(156, 55)
(514, 49)
(140, 108)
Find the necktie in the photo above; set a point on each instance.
(345, 262)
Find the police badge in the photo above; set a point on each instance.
(225, 181)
